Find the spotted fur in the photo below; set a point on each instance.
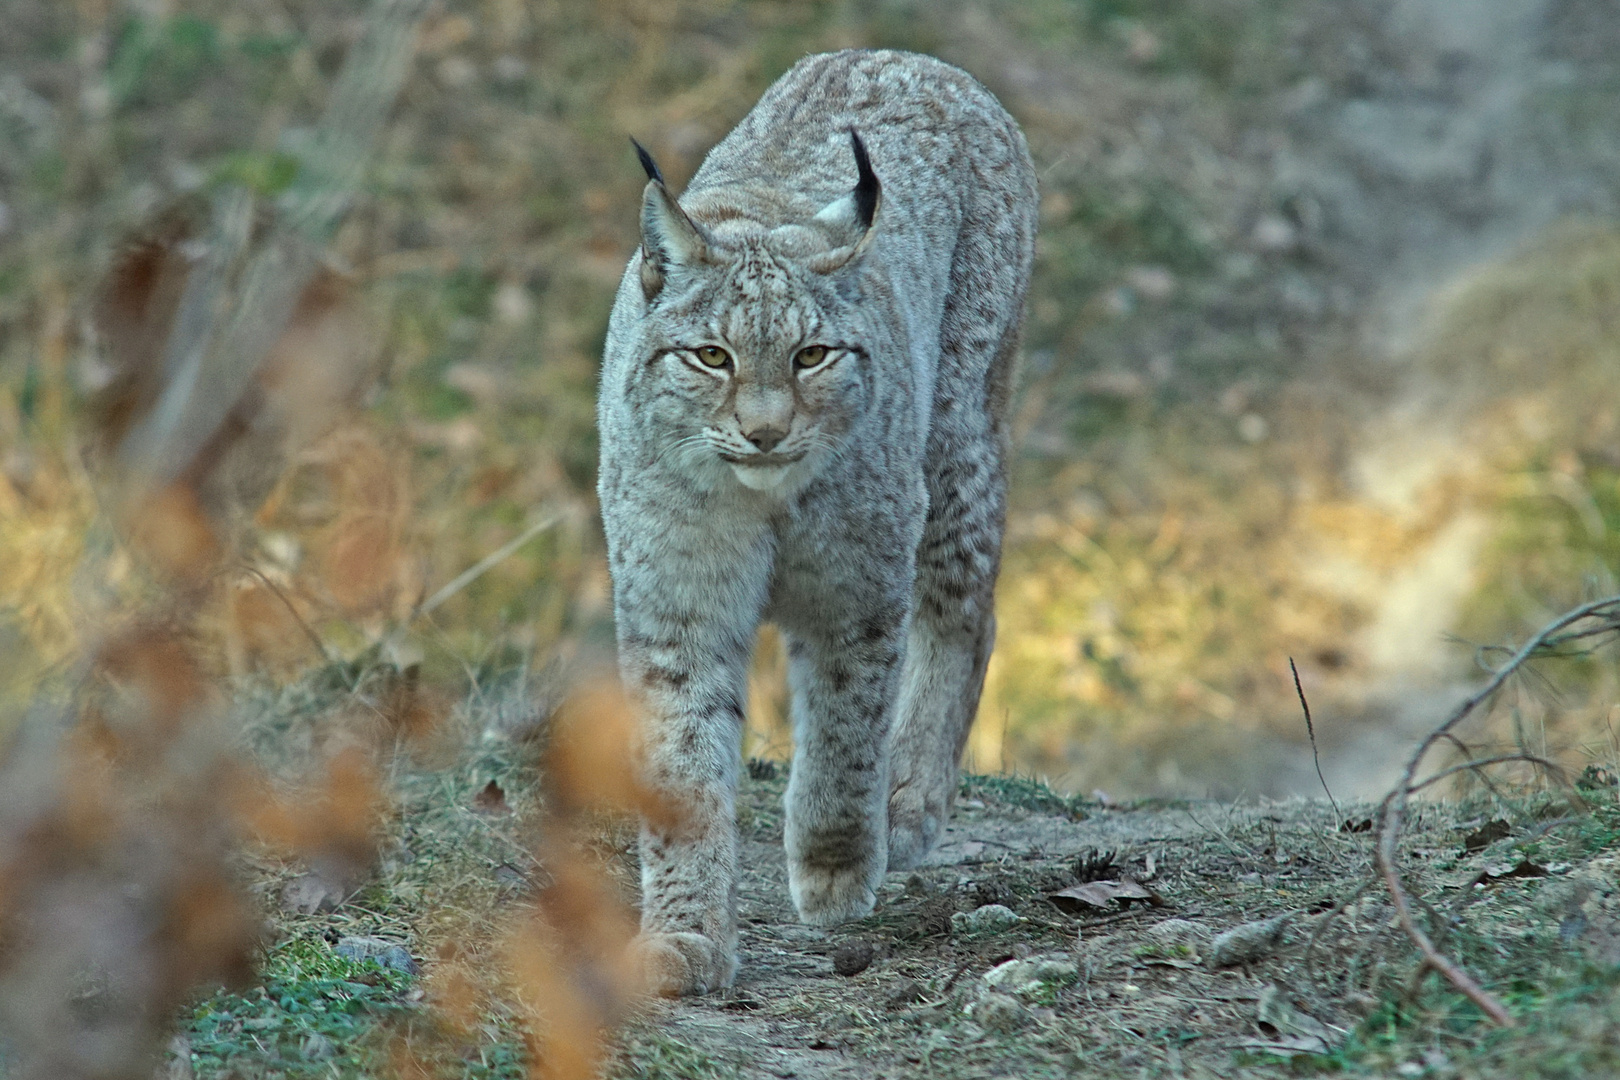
(840, 471)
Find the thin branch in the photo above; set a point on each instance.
(320, 646)
(482, 566)
(1468, 753)
(1392, 810)
(1338, 818)
(1500, 759)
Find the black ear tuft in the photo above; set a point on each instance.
(648, 163)
(867, 187)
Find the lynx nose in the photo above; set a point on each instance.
(765, 437)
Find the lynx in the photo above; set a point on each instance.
(803, 414)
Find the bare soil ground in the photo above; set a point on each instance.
(1153, 989)
(1261, 943)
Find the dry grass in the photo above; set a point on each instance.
(1162, 566)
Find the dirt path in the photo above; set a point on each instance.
(915, 1009)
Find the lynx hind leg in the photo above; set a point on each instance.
(953, 627)
(835, 833)
(944, 676)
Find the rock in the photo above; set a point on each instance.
(988, 917)
(1028, 976)
(1274, 235)
(1248, 942)
(1152, 282)
(999, 1012)
(388, 954)
(311, 894)
(178, 1066)
(1183, 939)
(316, 1047)
(909, 992)
(510, 879)
(853, 957)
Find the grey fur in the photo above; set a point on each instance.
(858, 503)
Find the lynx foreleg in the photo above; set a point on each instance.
(685, 631)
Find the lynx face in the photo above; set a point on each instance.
(754, 338)
(752, 370)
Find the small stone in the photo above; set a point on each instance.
(1249, 942)
(988, 917)
(1181, 937)
(456, 72)
(1252, 428)
(510, 69)
(512, 304)
(179, 1064)
(1152, 282)
(1028, 976)
(909, 992)
(853, 957)
(316, 1047)
(312, 894)
(386, 953)
(1000, 1012)
(1274, 235)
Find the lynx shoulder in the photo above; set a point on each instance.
(803, 418)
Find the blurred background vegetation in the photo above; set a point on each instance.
(1321, 357)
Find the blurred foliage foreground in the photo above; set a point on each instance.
(1214, 479)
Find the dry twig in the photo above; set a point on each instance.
(1310, 730)
(1392, 810)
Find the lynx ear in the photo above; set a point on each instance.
(849, 220)
(668, 237)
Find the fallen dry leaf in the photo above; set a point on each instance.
(1288, 1030)
(1524, 868)
(491, 800)
(1486, 835)
(1102, 895)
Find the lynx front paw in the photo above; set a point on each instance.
(681, 964)
(827, 896)
(915, 824)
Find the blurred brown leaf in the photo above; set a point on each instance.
(414, 712)
(592, 760)
(263, 629)
(313, 372)
(133, 313)
(332, 824)
(174, 533)
(156, 673)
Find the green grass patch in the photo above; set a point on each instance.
(1022, 792)
(315, 1014)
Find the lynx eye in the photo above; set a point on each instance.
(810, 356)
(712, 356)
